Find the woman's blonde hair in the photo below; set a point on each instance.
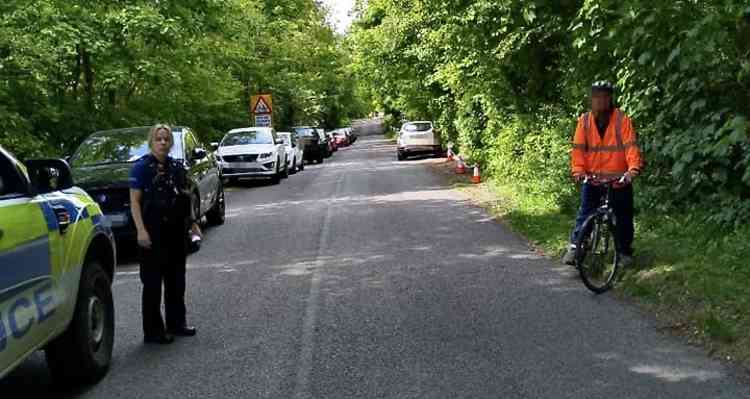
(152, 134)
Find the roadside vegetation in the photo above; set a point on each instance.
(505, 82)
(71, 67)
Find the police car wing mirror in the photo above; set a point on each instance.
(48, 175)
(279, 141)
(214, 146)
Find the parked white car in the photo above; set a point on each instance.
(294, 152)
(416, 138)
(253, 152)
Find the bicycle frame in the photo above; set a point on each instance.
(599, 225)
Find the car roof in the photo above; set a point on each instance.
(250, 129)
(430, 122)
(137, 130)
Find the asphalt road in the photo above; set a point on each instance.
(366, 277)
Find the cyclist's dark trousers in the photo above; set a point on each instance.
(622, 202)
(163, 263)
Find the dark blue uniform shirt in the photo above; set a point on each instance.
(163, 185)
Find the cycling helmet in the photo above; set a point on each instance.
(603, 85)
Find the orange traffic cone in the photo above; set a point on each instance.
(476, 178)
(460, 166)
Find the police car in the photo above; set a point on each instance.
(57, 262)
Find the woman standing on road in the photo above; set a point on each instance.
(160, 206)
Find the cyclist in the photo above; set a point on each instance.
(605, 145)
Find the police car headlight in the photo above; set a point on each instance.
(265, 155)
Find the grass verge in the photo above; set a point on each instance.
(694, 277)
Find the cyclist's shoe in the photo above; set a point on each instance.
(570, 256)
(624, 261)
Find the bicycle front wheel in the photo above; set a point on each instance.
(596, 255)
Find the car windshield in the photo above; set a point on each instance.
(417, 127)
(248, 137)
(116, 147)
(285, 137)
(304, 131)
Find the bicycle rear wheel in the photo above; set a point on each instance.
(596, 255)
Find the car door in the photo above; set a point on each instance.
(30, 264)
(201, 169)
(280, 150)
(296, 150)
(211, 174)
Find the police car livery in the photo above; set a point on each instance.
(57, 262)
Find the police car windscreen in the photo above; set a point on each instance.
(248, 137)
(417, 127)
(116, 147)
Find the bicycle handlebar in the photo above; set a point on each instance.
(596, 180)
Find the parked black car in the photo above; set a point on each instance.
(315, 151)
(101, 166)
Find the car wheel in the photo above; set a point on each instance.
(302, 165)
(233, 181)
(82, 354)
(276, 178)
(285, 173)
(400, 156)
(216, 216)
(196, 206)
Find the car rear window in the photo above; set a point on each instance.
(417, 127)
(304, 131)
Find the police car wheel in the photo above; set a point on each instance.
(82, 354)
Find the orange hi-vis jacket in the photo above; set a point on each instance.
(610, 156)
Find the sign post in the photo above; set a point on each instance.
(261, 106)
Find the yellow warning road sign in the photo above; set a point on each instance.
(261, 104)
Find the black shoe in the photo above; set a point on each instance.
(159, 339)
(184, 331)
(570, 256)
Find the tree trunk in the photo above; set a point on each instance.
(77, 73)
(88, 78)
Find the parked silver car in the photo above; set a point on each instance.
(253, 152)
(294, 152)
(417, 138)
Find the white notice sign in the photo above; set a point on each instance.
(263, 120)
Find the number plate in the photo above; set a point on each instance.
(243, 165)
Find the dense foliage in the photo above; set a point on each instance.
(506, 80)
(71, 67)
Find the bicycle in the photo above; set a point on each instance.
(596, 256)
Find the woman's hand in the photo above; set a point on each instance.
(196, 230)
(144, 240)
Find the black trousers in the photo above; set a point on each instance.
(163, 264)
(622, 202)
